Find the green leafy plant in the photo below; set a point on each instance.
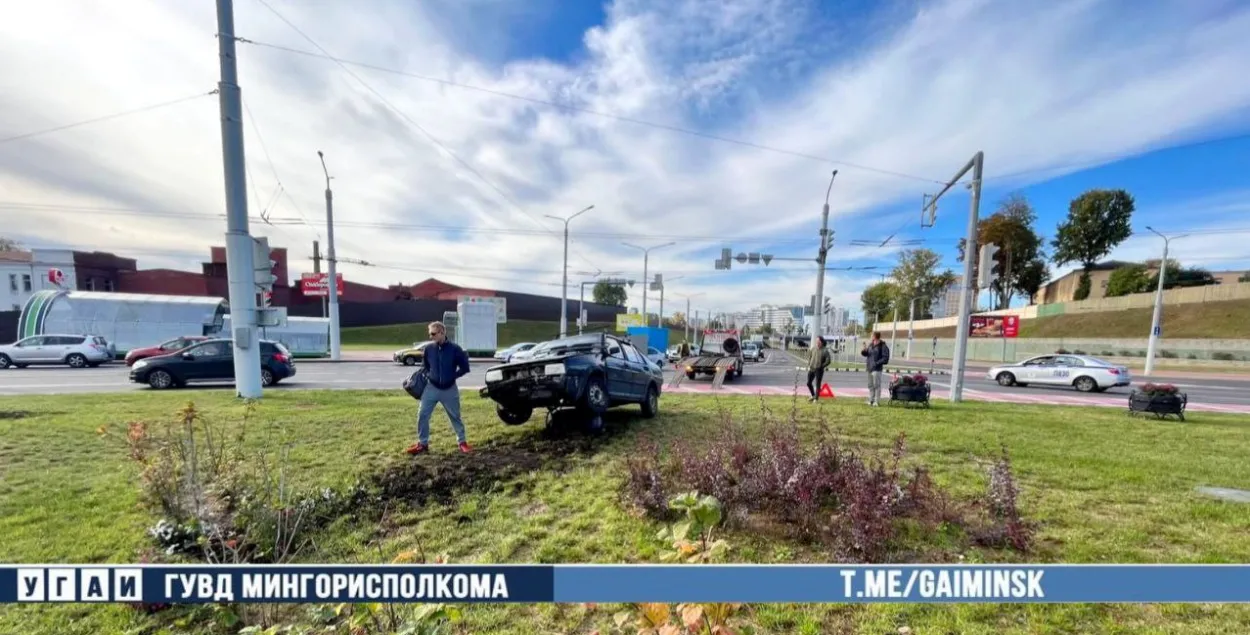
(652, 618)
(692, 539)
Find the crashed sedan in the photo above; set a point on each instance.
(590, 373)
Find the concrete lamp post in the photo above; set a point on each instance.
(564, 288)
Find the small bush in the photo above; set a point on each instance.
(1079, 352)
(1223, 357)
(1191, 356)
(1006, 528)
(853, 500)
(1168, 355)
(1061, 351)
(1107, 354)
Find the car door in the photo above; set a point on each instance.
(198, 363)
(639, 367)
(1032, 370)
(27, 351)
(620, 377)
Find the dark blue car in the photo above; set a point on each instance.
(210, 361)
(590, 373)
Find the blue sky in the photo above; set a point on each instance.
(1073, 93)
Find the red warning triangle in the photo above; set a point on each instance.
(825, 392)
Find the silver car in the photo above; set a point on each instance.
(76, 351)
(1085, 373)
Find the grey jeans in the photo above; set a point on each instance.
(450, 398)
(874, 385)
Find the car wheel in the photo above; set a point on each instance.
(266, 377)
(160, 379)
(651, 403)
(5, 362)
(597, 400)
(409, 360)
(513, 416)
(1085, 384)
(76, 361)
(690, 374)
(1005, 379)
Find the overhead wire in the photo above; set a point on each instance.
(433, 139)
(589, 111)
(124, 113)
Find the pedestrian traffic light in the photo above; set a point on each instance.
(985, 266)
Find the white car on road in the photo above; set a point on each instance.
(76, 351)
(1085, 373)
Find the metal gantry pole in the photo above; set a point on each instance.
(965, 298)
(332, 281)
(239, 247)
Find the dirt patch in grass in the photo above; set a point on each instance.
(14, 414)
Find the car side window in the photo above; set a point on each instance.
(614, 350)
(632, 355)
(1071, 361)
(66, 340)
(211, 349)
(31, 341)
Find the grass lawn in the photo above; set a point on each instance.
(1104, 488)
(399, 335)
(1221, 320)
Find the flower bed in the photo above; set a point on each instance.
(1160, 400)
(910, 389)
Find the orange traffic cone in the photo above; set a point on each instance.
(825, 392)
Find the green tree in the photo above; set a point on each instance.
(677, 320)
(1020, 253)
(1128, 279)
(1245, 277)
(1034, 274)
(1176, 276)
(917, 276)
(1098, 220)
(610, 294)
(878, 300)
(8, 244)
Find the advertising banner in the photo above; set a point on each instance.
(994, 326)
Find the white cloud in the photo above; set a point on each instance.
(1035, 85)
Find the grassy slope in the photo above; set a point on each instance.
(397, 335)
(1106, 488)
(1227, 320)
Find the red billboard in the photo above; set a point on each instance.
(314, 284)
(994, 326)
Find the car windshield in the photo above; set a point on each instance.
(579, 344)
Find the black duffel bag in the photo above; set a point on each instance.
(415, 384)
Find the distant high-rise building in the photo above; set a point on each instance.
(947, 303)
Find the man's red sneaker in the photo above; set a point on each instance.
(464, 448)
(417, 448)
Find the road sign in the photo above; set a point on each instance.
(314, 284)
(626, 320)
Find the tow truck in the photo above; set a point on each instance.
(720, 349)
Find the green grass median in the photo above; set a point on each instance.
(1096, 485)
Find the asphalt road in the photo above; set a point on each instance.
(777, 375)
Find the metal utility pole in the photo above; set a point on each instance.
(646, 282)
(894, 329)
(317, 270)
(825, 242)
(688, 323)
(332, 282)
(239, 246)
(911, 325)
(564, 289)
(976, 165)
(1156, 328)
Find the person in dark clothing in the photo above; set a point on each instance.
(817, 359)
(443, 362)
(876, 356)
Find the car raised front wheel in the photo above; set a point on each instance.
(651, 403)
(1085, 384)
(597, 400)
(160, 379)
(1006, 379)
(513, 416)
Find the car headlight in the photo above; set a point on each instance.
(493, 376)
(553, 369)
(141, 363)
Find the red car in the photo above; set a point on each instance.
(172, 346)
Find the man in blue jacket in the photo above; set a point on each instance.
(443, 362)
(876, 356)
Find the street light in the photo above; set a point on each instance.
(332, 286)
(1155, 328)
(688, 296)
(646, 256)
(564, 289)
(663, 284)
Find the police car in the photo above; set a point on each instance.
(1085, 373)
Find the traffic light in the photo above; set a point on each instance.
(263, 264)
(985, 267)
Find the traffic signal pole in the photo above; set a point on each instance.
(976, 165)
(240, 269)
(825, 242)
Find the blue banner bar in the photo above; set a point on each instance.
(627, 583)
